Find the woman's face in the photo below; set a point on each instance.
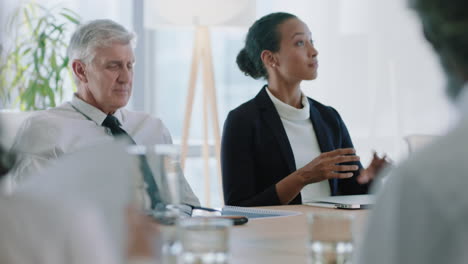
(296, 59)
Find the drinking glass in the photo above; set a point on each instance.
(163, 162)
(330, 238)
(204, 240)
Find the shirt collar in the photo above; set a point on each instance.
(288, 112)
(91, 112)
(462, 100)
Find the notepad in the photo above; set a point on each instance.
(253, 213)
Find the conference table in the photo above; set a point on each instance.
(281, 239)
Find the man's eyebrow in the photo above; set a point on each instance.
(114, 62)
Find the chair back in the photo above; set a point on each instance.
(10, 122)
(417, 141)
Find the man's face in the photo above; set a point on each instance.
(108, 82)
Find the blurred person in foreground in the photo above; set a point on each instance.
(37, 228)
(420, 214)
(102, 61)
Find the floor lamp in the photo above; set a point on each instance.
(202, 55)
(202, 14)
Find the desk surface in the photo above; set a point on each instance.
(280, 240)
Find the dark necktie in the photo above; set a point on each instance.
(113, 124)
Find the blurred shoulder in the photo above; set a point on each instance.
(440, 170)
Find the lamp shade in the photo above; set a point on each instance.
(199, 13)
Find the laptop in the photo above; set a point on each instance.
(364, 201)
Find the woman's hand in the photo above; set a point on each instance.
(375, 167)
(327, 166)
(324, 167)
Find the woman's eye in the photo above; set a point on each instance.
(300, 43)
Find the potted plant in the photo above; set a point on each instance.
(34, 71)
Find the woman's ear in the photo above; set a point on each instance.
(79, 69)
(268, 59)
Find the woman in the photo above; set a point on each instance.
(282, 147)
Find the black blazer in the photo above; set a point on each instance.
(256, 153)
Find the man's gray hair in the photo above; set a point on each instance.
(95, 34)
(445, 25)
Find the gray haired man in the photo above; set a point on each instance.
(102, 58)
(420, 215)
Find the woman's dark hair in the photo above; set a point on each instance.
(262, 35)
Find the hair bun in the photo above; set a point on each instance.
(246, 65)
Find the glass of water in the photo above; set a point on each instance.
(330, 238)
(204, 240)
(160, 180)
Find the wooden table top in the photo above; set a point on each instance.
(281, 239)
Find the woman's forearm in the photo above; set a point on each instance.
(289, 187)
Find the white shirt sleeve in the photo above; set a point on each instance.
(36, 147)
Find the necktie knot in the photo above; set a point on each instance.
(111, 122)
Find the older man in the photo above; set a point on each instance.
(420, 217)
(102, 60)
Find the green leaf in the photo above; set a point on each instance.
(42, 46)
(25, 52)
(28, 98)
(28, 19)
(65, 62)
(53, 60)
(37, 29)
(73, 13)
(50, 95)
(71, 19)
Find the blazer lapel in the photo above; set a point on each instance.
(320, 130)
(323, 139)
(273, 120)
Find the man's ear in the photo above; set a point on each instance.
(79, 69)
(269, 59)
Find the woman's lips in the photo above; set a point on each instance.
(313, 64)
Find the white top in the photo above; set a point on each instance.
(304, 144)
(48, 134)
(421, 211)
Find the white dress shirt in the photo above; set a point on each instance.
(304, 144)
(75, 125)
(422, 210)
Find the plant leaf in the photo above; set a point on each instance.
(71, 19)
